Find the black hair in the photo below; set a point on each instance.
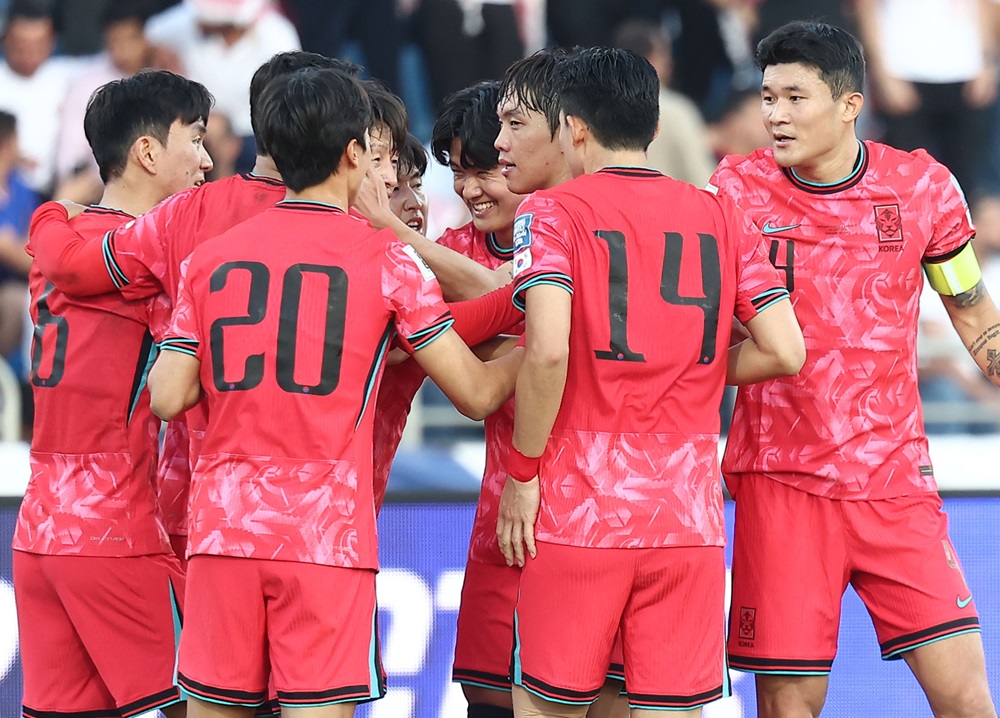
(30, 10)
(412, 158)
(285, 63)
(470, 116)
(308, 119)
(8, 125)
(833, 51)
(125, 10)
(616, 92)
(388, 110)
(531, 84)
(147, 103)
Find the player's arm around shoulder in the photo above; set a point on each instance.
(73, 263)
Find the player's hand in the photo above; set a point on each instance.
(72, 208)
(516, 523)
(372, 200)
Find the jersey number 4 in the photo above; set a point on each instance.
(288, 327)
(711, 286)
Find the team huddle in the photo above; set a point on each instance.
(591, 313)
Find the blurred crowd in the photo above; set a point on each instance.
(933, 81)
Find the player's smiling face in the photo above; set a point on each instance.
(485, 193)
(183, 161)
(806, 124)
(409, 203)
(530, 157)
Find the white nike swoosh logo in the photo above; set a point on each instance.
(768, 229)
(963, 602)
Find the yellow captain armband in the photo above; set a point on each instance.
(955, 275)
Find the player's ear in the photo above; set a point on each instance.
(577, 128)
(853, 102)
(354, 153)
(145, 150)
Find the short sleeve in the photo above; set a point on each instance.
(413, 295)
(953, 222)
(183, 335)
(541, 251)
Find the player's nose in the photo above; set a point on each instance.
(206, 164)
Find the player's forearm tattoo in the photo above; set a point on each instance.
(980, 342)
(971, 297)
(993, 363)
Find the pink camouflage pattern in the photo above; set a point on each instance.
(302, 491)
(632, 460)
(850, 424)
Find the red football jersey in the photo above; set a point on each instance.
(498, 426)
(401, 383)
(657, 269)
(291, 314)
(849, 425)
(144, 257)
(93, 453)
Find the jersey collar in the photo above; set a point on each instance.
(860, 166)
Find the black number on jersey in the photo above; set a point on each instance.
(789, 266)
(288, 327)
(711, 282)
(253, 365)
(45, 319)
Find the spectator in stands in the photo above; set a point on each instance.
(223, 146)
(33, 85)
(933, 72)
(680, 148)
(739, 129)
(17, 202)
(464, 41)
(220, 43)
(326, 27)
(126, 51)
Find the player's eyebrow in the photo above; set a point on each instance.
(786, 88)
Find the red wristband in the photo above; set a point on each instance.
(520, 467)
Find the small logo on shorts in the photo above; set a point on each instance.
(748, 620)
(963, 602)
(949, 554)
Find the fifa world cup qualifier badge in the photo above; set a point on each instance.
(522, 243)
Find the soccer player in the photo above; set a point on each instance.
(408, 201)
(462, 139)
(528, 143)
(282, 514)
(630, 281)
(830, 469)
(96, 584)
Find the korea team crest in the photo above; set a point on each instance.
(888, 223)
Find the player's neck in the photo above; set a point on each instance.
(833, 166)
(600, 157)
(332, 191)
(265, 167)
(130, 197)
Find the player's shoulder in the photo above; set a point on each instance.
(460, 238)
(893, 164)
(98, 220)
(759, 165)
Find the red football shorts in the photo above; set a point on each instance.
(668, 603)
(311, 627)
(795, 553)
(98, 634)
(485, 636)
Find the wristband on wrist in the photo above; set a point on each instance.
(520, 467)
